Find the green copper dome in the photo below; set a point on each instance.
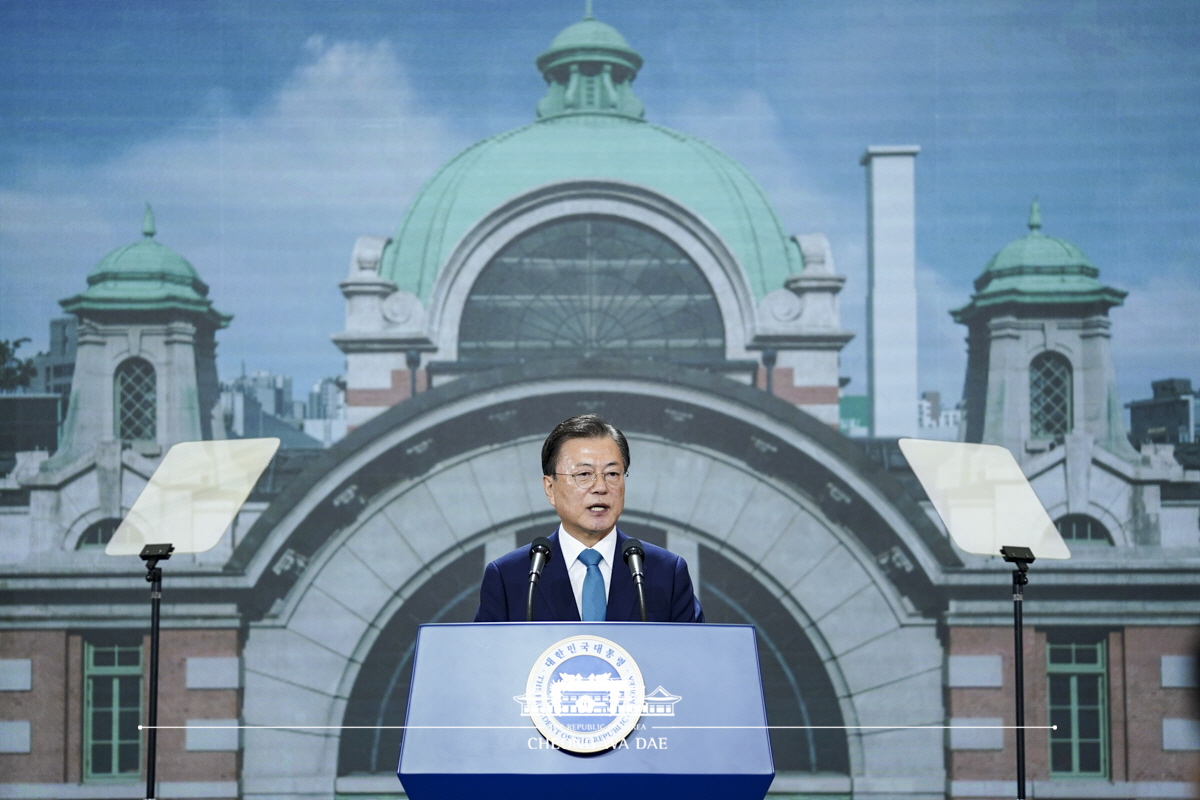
(146, 276)
(589, 39)
(1038, 252)
(590, 131)
(1038, 270)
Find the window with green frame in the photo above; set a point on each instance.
(112, 743)
(1077, 669)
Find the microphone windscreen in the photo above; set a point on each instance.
(541, 545)
(632, 548)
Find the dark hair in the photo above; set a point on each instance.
(583, 426)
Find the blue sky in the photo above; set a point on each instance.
(269, 135)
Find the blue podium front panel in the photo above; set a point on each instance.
(702, 728)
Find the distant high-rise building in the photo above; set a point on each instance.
(325, 418)
(260, 404)
(272, 392)
(936, 421)
(56, 367)
(929, 410)
(1169, 417)
(327, 399)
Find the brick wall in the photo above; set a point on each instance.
(1138, 703)
(43, 705)
(53, 705)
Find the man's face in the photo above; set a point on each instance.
(587, 514)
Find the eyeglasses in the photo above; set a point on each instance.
(586, 479)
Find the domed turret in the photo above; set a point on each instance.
(146, 276)
(590, 68)
(1038, 270)
(1037, 252)
(1039, 366)
(589, 129)
(145, 369)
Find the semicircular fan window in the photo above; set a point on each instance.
(591, 286)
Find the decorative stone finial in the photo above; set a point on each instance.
(148, 222)
(1035, 215)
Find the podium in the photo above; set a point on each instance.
(699, 731)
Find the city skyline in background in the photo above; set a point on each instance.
(268, 137)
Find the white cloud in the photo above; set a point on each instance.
(1156, 334)
(750, 131)
(941, 343)
(266, 206)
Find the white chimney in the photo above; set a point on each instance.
(891, 290)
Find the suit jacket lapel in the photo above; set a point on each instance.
(555, 587)
(622, 596)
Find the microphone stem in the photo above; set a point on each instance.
(533, 578)
(639, 583)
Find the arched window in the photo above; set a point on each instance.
(136, 401)
(1082, 528)
(98, 534)
(591, 286)
(1050, 396)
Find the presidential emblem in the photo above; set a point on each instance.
(585, 694)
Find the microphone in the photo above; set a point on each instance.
(539, 556)
(633, 553)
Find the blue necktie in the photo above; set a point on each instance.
(594, 604)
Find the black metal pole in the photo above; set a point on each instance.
(1019, 581)
(152, 554)
(1020, 558)
(155, 577)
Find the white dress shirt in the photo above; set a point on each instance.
(577, 570)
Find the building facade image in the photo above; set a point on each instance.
(593, 261)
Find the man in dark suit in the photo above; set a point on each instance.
(584, 464)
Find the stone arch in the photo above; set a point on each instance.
(586, 198)
(378, 695)
(98, 534)
(73, 532)
(1113, 525)
(454, 473)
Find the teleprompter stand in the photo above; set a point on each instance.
(1021, 558)
(186, 507)
(989, 509)
(152, 554)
